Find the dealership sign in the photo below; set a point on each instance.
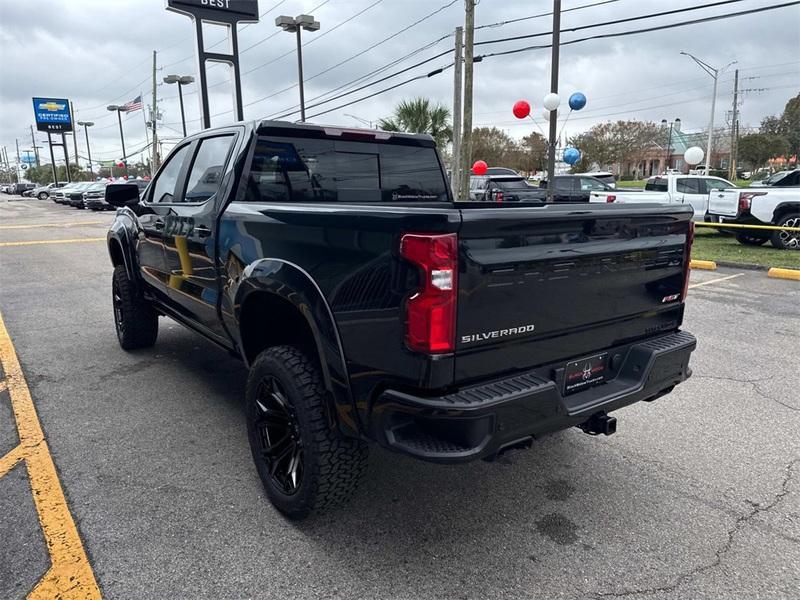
(52, 114)
(226, 10)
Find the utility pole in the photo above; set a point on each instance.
(19, 161)
(734, 126)
(35, 148)
(466, 131)
(52, 158)
(455, 176)
(551, 154)
(154, 162)
(74, 135)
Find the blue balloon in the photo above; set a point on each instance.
(577, 101)
(572, 155)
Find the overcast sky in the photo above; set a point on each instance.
(97, 52)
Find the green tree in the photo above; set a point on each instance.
(44, 174)
(531, 153)
(790, 123)
(494, 146)
(756, 149)
(420, 115)
(621, 142)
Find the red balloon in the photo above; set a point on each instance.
(521, 109)
(480, 167)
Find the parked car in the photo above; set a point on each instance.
(605, 176)
(371, 307)
(19, 188)
(669, 189)
(65, 194)
(43, 192)
(501, 171)
(502, 188)
(575, 188)
(777, 204)
(94, 197)
(780, 179)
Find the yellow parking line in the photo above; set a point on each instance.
(40, 242)
(35, 225)
(70, 574)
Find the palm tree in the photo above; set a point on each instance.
(420, 115)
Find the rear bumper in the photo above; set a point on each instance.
(482, 420)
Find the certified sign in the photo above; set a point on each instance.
(227, 10)
(52, 114)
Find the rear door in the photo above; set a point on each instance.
(692, 191)
(554, 282)
(565, 189)
(189, 239)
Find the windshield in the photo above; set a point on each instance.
(95, 187)
(776, 178)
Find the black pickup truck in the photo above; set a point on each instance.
(371, 307)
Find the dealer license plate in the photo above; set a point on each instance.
(585, 373)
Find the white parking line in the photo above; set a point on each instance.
(717, 280)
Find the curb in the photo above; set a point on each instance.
(745, 266)
(706, 265)
(777, 273)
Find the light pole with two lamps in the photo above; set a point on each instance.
(86, 125)
(119, 110)
(295, 25)
(181, 80)
(676, 123)
(715, 73)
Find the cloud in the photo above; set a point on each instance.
(96, 52)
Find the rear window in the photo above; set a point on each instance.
(323, 170)
(512, 184)
(656, 185)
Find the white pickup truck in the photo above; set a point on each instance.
(776, 204)
(669, 189)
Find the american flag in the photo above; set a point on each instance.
(134, 105)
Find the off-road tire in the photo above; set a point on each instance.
(747, 239)
(135, 320)
(787, 240)
(332, 465)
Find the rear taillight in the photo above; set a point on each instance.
(498, 196)
(746, 200)
(687, 258)
(431, 311)
(610, 198)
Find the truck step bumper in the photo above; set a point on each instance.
(481, 421)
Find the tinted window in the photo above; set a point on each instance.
(688, 186)
(167, 181)
(209, 164)
(313, 170)
(564, 184)
(656, 185)
(512, 184)
(718, 184)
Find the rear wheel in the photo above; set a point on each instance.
(42, 196)
(787, 240)
(304, 465)
(134, 318)
(748, 239)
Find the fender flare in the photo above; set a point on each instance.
(786, 206)
(120, 234)
(293, 284)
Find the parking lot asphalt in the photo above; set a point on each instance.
(696, 496)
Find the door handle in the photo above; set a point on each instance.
(202, 230)
(158, 225)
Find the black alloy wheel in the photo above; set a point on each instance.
(277, 436)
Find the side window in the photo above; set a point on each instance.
(688, 186)
(563, 184)
(590, 185)
(166, 184)
(717, 184)
(205, 175)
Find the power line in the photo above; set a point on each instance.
(545, 14)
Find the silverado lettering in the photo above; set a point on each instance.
(479, 337)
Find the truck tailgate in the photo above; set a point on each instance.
(539, 284)
(724, 203)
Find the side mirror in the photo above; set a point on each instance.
(122, 194)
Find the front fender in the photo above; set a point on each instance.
(293, 284)
(121, 233)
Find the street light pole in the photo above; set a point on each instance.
(295, 25)
(86, 125)
(715, 73)
(119, 110)
(669, 143)
(181, 80)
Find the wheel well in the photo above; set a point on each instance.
(784, 209)
(115, 250)
(268, 320)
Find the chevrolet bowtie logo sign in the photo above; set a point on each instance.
(52, 106)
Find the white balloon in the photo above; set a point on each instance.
(551, 101)
(694, 155)
(545, 114)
